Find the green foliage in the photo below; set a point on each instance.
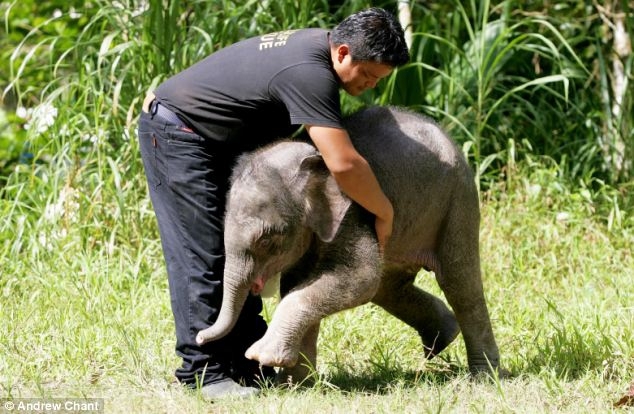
(509, 80)
(501, 78)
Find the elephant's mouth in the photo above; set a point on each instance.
(272, 268)
(258, 284)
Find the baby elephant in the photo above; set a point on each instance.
(285, 213)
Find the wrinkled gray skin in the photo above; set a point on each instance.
(285, 213)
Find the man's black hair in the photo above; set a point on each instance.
(373, 35)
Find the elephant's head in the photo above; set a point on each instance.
(280, 197)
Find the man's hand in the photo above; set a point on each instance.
(354, 176)
(383, 228)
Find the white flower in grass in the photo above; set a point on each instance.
(40, 118)
(22, 112)
(47, 239)
(43, 240)
(92, 138)
(142, 7)
(110, 247)
(563, 216)
(67, 206)
(534, 190)
(54, 211)
(64, 131)
(74, 14)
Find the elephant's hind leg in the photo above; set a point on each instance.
(426, 313)
(461, 283)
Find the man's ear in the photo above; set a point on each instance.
(342, 51)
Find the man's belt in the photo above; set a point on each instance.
(157, 109)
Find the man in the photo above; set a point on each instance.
(196, 123)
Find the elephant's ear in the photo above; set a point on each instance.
(325, 204)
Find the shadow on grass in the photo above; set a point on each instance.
(388, 379)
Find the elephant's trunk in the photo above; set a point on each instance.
(233, 298)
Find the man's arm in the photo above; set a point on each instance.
(354, 176)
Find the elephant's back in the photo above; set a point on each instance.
(421, 170)
(386, 135)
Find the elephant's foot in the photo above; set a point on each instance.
(437, 340)
(487, 373)
(300, 374)
(487, 365)
(271, 352)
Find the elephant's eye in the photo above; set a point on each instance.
(268, 243)
(264, 242)
(270, 240)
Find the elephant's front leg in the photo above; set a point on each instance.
(305, 306)
(307, 363)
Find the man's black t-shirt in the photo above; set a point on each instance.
(258, 89)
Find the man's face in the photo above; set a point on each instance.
(357, 76)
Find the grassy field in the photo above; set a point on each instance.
(85, 311)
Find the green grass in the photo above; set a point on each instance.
(85, 312)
